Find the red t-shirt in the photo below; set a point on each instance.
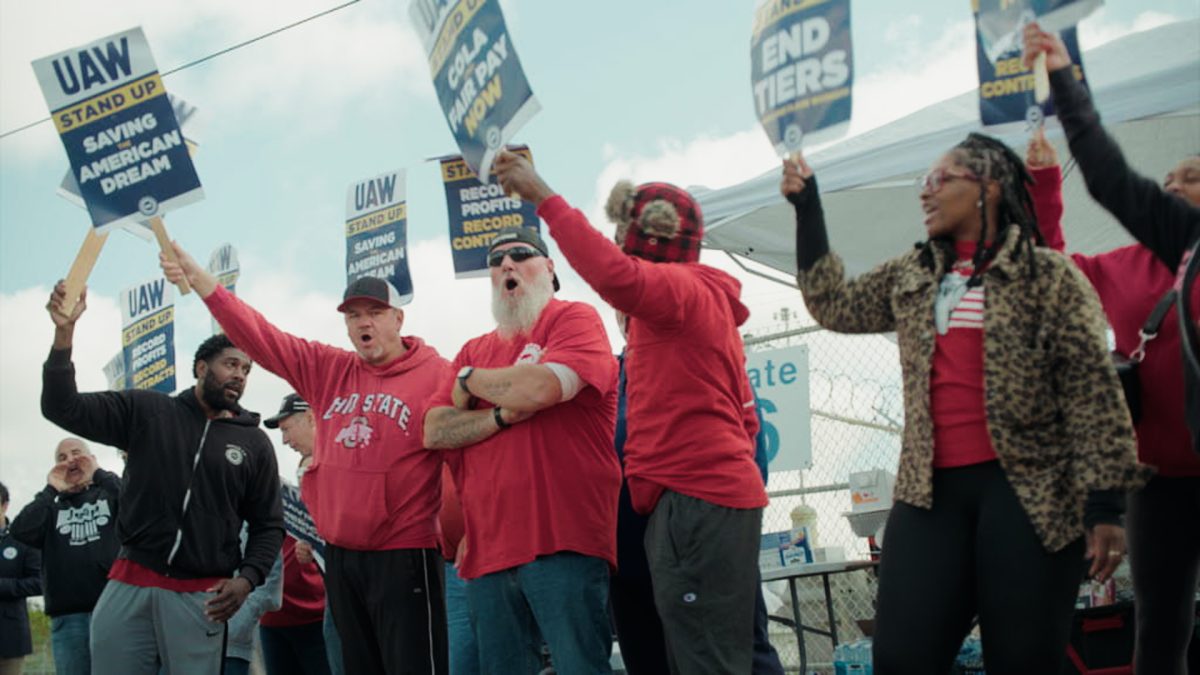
(960, 433)
(550, 483)
(303, 592)
(451, 516)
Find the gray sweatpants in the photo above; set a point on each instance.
(135, 629)
(704, 566)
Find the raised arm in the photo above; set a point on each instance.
(637, 288)
(861, 305)
(286, 355)
(1163, 222)
(105, 417)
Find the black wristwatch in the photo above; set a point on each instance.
(463, 374)
(499, 418)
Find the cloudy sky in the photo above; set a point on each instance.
(639, 90)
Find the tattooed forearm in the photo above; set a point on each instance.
(447, 428)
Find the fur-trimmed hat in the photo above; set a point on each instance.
(658, 222)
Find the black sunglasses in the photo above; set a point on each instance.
(518, 254)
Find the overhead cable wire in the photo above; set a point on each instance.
(214, 55)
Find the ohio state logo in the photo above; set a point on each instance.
(356, 433)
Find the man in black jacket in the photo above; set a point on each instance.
(73, 522)
(198, 466)
(19, 579)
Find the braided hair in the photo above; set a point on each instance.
(992, 160)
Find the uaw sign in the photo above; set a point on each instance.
(801, 70)
(377, 232)
(114, 372)
(223, 264)
(113, 116)
(477, 211)
(148, 336)
(477, 76)
(68, 188)
(780, 381)
(298, 522)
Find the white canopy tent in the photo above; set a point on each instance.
(1146, 86)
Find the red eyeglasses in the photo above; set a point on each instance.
(934, 180)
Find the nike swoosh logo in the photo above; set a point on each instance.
(212, 633)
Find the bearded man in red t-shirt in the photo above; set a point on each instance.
(528, 426)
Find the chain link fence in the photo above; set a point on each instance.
(856, 404)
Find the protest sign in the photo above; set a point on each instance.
(1006, 86)
(1000, 24)
(112, 114)
(477, 211)
(223, 264)
(298, 522)
(780, 381)
(802, 71)
(377, 232)
(68, 188)
(114, 372)
(477, 76)
(148, 336)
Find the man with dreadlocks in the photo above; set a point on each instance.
(1016, 435)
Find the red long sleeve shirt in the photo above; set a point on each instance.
(691, 421)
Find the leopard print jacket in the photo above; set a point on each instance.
(1056, 414)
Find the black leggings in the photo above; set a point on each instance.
(975, 553)
(1164, 557)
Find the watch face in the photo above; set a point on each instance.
(465, 371)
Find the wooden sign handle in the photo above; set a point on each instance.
(81, 269)
(164, 244)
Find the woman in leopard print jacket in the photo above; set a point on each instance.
(1014, 419)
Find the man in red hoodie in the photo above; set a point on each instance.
(689, 454)
(533, 409)
(373, 489)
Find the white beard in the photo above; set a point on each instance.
(516, 315)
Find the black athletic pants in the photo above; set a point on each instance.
(390, 610)
(1164, 556)
(974, 553)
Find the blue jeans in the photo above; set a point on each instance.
(69, 642)
(464, 651)
(564, 596)
(333, 644)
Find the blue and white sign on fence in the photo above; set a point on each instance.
(377, 231)
(780, 381)
(113, 116)
(477, 211)
(148, 336)
(802, 71)
(476, 74)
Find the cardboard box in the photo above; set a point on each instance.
(871, 490)
(770, 550)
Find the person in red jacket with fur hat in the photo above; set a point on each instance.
(689, 454)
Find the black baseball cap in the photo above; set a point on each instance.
(292, 404)
(371, 288)
(523, 235)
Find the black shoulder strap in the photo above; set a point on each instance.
(1150, 328)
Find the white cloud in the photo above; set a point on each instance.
(355, 56)
(1100, 28)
